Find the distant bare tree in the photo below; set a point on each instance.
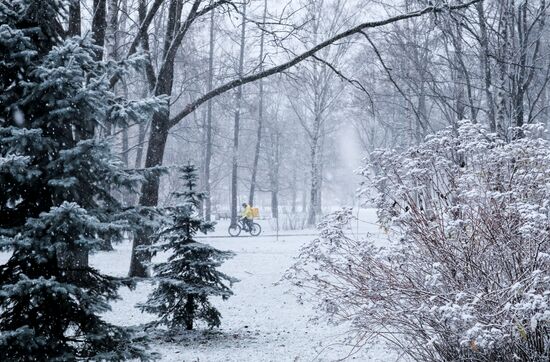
(236, 126)
(260, 113)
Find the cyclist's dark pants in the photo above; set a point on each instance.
(248, 223)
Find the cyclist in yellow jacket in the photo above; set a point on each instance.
(247, 216)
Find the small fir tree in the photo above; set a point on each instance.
(55, 203)
(190, 276)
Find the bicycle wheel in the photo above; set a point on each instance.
(256, 229)
(234, 230)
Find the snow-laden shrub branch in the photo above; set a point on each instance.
(466, 275)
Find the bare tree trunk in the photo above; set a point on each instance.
(157, 142)
(293, 191)
(144, 41)
(274, 172)
(208, 150)
(140, 146)
(321, 164)
(527, 59)
(74, 259)
(122, 22)
(486, 68)
(315, 135)
(111, 51)
(99, 25)
(125, 143)
(142, 127)
(125, 146)
(502, 59)
(304, 195)
(75, 21)
(314, 193)
(544, 101)
(149, 192)
(275, 200)
(260, 117)
(111, 43)
(420, 129)
(234, 171)
(190, 311)
(312, 217)
(460, 104)
(520, 79)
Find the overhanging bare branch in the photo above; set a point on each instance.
(188, 109)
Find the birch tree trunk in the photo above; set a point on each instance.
(111, 50)
(208, 150)
(460, 103)
(293, 191)
(111, 44)
(142, 127)
(260, 116)
(140, 146)
(274, 175)
(122, 23)
(502, 60)
(304, 195)
(314, 190)
(236, 129)
(485, 65)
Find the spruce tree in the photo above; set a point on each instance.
(190, 275)
(55, 203)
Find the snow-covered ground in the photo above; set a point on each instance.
(262, 321)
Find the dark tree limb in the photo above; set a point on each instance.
(144, 26)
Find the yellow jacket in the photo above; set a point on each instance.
(247, 212)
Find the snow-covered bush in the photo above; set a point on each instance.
(466, 272)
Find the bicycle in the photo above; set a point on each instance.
(235, 229)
